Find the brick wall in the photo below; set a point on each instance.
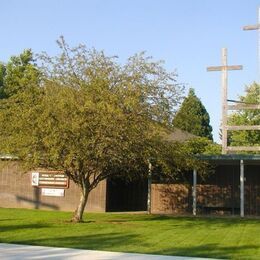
(171, 198)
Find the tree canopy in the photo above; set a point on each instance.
(84, 113)
(193, 117)
(2, 75)
(18, 74)
(246, 117)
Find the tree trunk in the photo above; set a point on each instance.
(78, 214)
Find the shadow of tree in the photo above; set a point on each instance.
(107, 241)
(8, 228)
(187, 222)
(9, 219)
(174, 198)
(118, 242)
(213, 250)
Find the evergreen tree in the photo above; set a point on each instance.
(19, 74)
(193, 117)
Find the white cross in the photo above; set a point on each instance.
(224, 68)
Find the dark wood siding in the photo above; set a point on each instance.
(219, 193)
(126, 195)
(252, 190)
(16, 192)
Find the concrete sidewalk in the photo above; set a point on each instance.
(15, 252)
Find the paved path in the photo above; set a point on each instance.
(18, 252)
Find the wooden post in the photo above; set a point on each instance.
(224, 82)
(224, 101)
(242, 189)
(247, 106)
(149, 183)
(194, 193)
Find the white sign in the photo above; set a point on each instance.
(53, 192)
(35, 178)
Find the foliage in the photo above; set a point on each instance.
(193, 117)
(174, 159)
(246, 117)
(18, 74)
(90, 116)
(2, 75)
(202, 145)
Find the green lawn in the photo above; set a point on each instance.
(206, 237)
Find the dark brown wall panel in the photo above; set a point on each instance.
(16, 191)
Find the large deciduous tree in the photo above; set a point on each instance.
(193, 117)
(89, 116)
(246, 117)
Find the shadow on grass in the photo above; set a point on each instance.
(131, 243)
(14, 228)
(9, 219)
(182, 221)
(214, 251)
(108, 241)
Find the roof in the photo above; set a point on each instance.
(179, 135)
(232, 159)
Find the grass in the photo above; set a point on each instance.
(153, 234)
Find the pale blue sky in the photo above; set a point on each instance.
(187, 34)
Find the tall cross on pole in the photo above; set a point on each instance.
(224, 83)
(256, 27)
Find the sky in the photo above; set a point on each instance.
(187, 34)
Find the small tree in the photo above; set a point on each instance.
(90, 116)
(193, 117)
